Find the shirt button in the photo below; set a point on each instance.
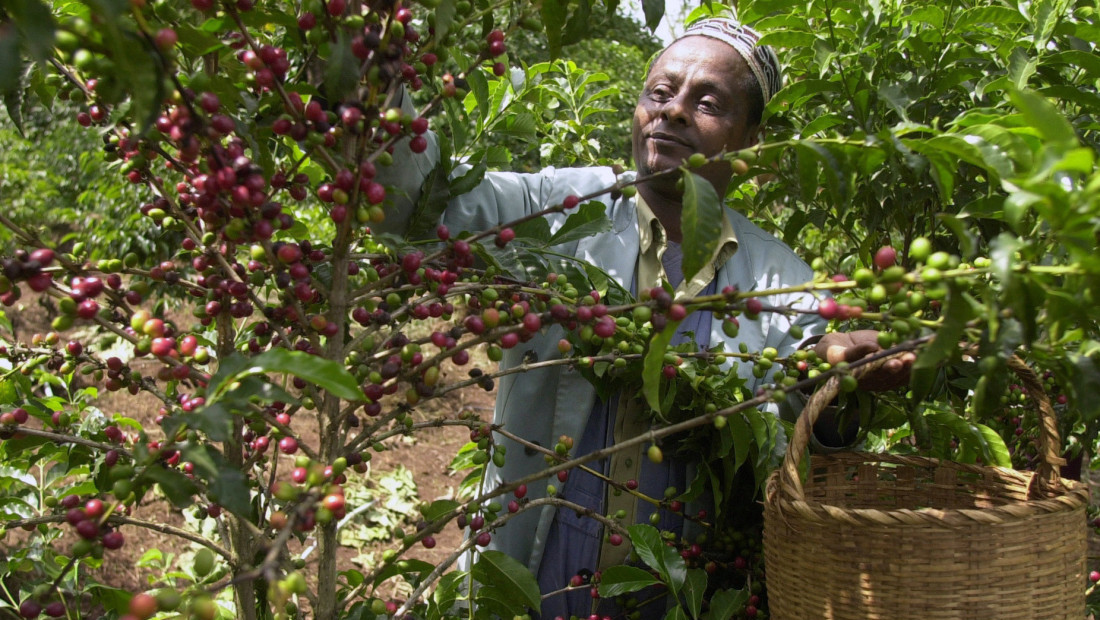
(629, 463)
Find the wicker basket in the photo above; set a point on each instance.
(876, 536)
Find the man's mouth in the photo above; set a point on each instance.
(661, 137)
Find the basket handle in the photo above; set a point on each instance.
(1046, 475)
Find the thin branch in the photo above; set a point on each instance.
(121, 520)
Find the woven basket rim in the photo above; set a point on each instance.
(1046, 480)
(1073, 495)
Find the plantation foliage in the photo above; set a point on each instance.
(227, 162)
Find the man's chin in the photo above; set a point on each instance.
(658, 165)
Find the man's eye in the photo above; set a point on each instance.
(660, 94)
(708, 105)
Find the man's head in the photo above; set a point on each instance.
(704, 93)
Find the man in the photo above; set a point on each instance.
(705, 93)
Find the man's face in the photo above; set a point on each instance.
(692, 103)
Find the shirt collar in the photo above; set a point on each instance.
(652, 234)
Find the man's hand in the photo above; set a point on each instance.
(852, 346)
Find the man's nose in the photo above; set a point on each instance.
(675, 109)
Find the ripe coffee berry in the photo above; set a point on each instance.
(504, 237)
(570, 202)
(886, 257)
(288, 445)
(753, 306)
(30, 609)
(113, 540)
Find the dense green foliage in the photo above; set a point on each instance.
(972, 125)
(230, 158)
(55, 182)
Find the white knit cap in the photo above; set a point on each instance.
(761, 59)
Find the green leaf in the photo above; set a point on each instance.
(1021, 66)
(409, 566)
(327, 374)
(579, 21)
(178, 488)
(15, 508)
(811, 153)
(35, 23)
(141, 74)
(654, 10)
(819, 124)
(789, 39)
(956, 313)
(341, 70)
(444, 16)
(694, 587)
(995, 451)
(658, 556)
(1003, 256)
(112, 599)
(725, 603)
(553, 18)
(521, 125)
(700, 222)
(988, 15)
(352, 577)
(13, 98)
(928, 14)
(1044, 116)
(214, 420)
(536, 230)
(742, 438)
(468, 181)
(230, 489)
(1045, 17)
(653, 364)
(1088, 61)
(479, 90)
(226, 484)
(676, 613)
(8, 393)
(438, 508)
(445, 594)
(617, 580)
(495, 570)
(590, 219)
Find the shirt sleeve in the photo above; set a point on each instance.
(500, 197)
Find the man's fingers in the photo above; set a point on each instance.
(836, 353)
(893, 374)
(861, 350)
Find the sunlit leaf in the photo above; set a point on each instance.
(617, 580)
(700, 223)
(515, 584)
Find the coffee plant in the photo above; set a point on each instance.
(937, 164)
